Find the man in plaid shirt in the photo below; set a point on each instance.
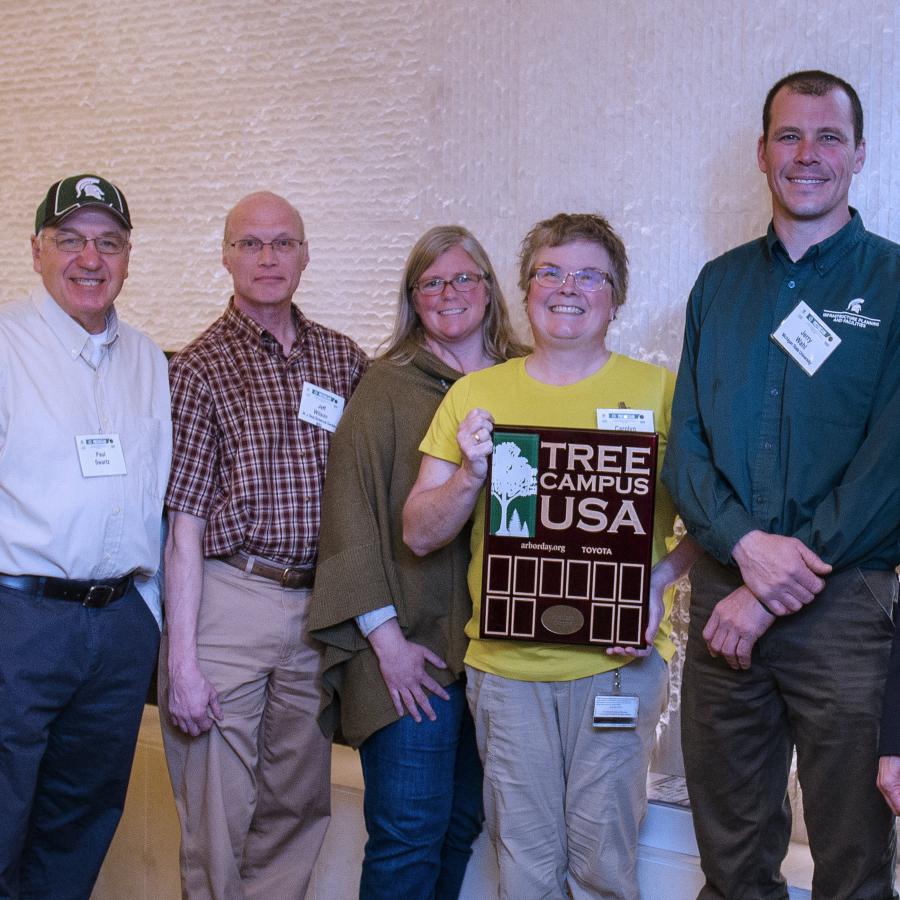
(254, 401)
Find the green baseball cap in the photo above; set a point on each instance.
(76, 192)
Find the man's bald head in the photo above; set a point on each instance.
(265, 251)
(261, 201)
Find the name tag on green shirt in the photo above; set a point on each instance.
(805, 338)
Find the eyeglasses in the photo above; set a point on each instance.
(461, 281)
(585, 279)
(252, 246)
(109, 244)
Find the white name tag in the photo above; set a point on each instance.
(806, 338)
(100, 454)
(320, 407)
(625, 420)
(616, 711)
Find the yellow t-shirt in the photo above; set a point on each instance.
(513, 397)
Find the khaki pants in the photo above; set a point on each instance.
(253, 793)
(563, 802)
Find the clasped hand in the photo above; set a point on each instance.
(736, 624)
(782, 571)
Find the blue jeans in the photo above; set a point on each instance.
(422, 803)
(72, 687)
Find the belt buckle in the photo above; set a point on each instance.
(291, 577)
(98, 596)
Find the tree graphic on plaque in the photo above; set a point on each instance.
(514, 485)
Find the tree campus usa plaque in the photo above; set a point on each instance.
(568, 536)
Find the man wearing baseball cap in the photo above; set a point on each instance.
(85, 444)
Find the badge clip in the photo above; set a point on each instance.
(616, 710)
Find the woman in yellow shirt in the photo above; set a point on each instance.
(563, 801)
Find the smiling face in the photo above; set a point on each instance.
(810, 158)
(84, 284)
(266, 279)
(567, 316)
(453, 316)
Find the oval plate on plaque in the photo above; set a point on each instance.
(562, 619)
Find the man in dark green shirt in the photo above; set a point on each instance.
(783, 463)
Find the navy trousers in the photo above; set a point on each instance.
(72, 687)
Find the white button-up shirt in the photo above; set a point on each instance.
(54, 521)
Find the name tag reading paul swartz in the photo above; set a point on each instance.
(568, 536)
(100, 455)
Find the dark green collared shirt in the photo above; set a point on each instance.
(758, 443)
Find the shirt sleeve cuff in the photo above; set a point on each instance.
(368, 622)
(728, 529)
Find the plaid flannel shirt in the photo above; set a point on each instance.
(242, 458)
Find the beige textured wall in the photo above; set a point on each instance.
(382, 118)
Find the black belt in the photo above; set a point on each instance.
(93, 594)
(286, 576)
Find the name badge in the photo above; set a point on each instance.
(100, 454)
(320, 407)
(616, 711)
(806, 338)
(625, 420)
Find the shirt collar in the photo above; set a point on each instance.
(825, 254)
(74, 338)
(248, 330)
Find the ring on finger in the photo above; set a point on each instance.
(477, 437)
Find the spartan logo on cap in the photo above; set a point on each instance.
(78, 191)
(89, 187)
(855, 306)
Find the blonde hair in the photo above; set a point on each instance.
(500, 341)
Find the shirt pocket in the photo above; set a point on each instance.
(841, 391)
(142, 444)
